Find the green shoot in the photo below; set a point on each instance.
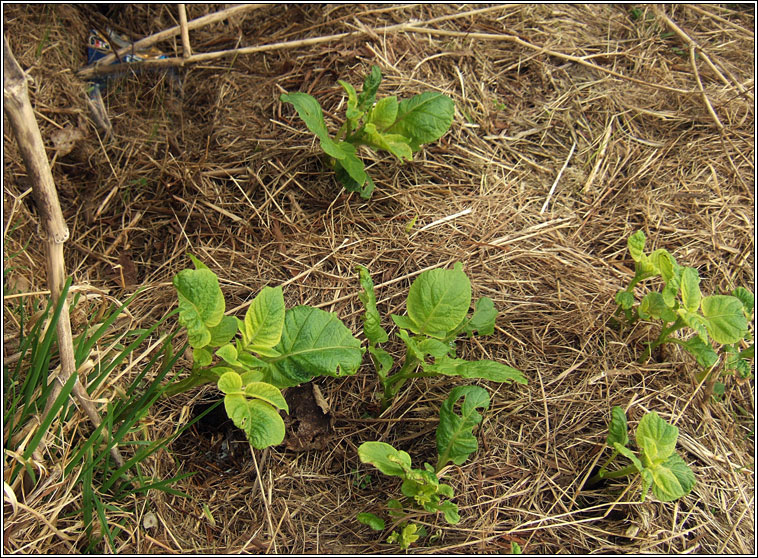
(660, 467)
(720, 319)
(437, 307)
(399, 127)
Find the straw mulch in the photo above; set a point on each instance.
(220, 168)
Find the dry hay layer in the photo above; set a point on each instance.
(222, 169)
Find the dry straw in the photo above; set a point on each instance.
(229, 174)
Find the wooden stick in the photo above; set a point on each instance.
(173, 31)
(99, 69)
(54, 231)
(186, 48)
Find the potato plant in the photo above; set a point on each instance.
(720, 319)
(399, 127)
(252, 360)
(437, 311)
(660, 467)
(422, 487)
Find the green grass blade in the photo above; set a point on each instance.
(58, 404)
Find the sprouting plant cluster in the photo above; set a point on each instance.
(251, 360)
(437, 311)
(399, 127)
(658, 463)
(716, 319)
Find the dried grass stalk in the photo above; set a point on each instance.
(54, 231)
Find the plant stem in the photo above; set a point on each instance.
(626, 471)
(662, 338)
(393, 383)
(196, 379)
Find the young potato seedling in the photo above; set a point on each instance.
(251, 360)
(421, 487)
(658, 464)
(400, 127)
(720, 319)
(437, 313)
(437, 307)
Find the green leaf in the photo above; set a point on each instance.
(455, 440)
(424, 118)
(352, 113)
(268, 393)
(198, 264)
(407, 535)
(665, 263)
(394, 508)
(201, 304)
(747, 299)
(230, 382)
(394, 143)
(726, 320)
(260, 421)
(383, 359)
(671, 289)
(629, 454)
(250, 376)
(450, 512)
(484, 369)
(350, 184)
(515, 548)
(696, 322)
(372, 520)
(438, 301)
(249, 361)
(647, 482)
(653, 304)
(372, 327)
(690, 284)
(411, 344)
(483, 320)
(636, 245)
(310, 112)
(202, 357)
(229, 355)
(385, 458)
(702, 351)
(435, 348)
(656, 439)
(625, 299)
(370, 87)
(404, 322)
(743, 369)
(222, 333)
(672, 479)
(384, 113)
(350, 162)
(313, 343)
(264, 322)
(617, 429)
